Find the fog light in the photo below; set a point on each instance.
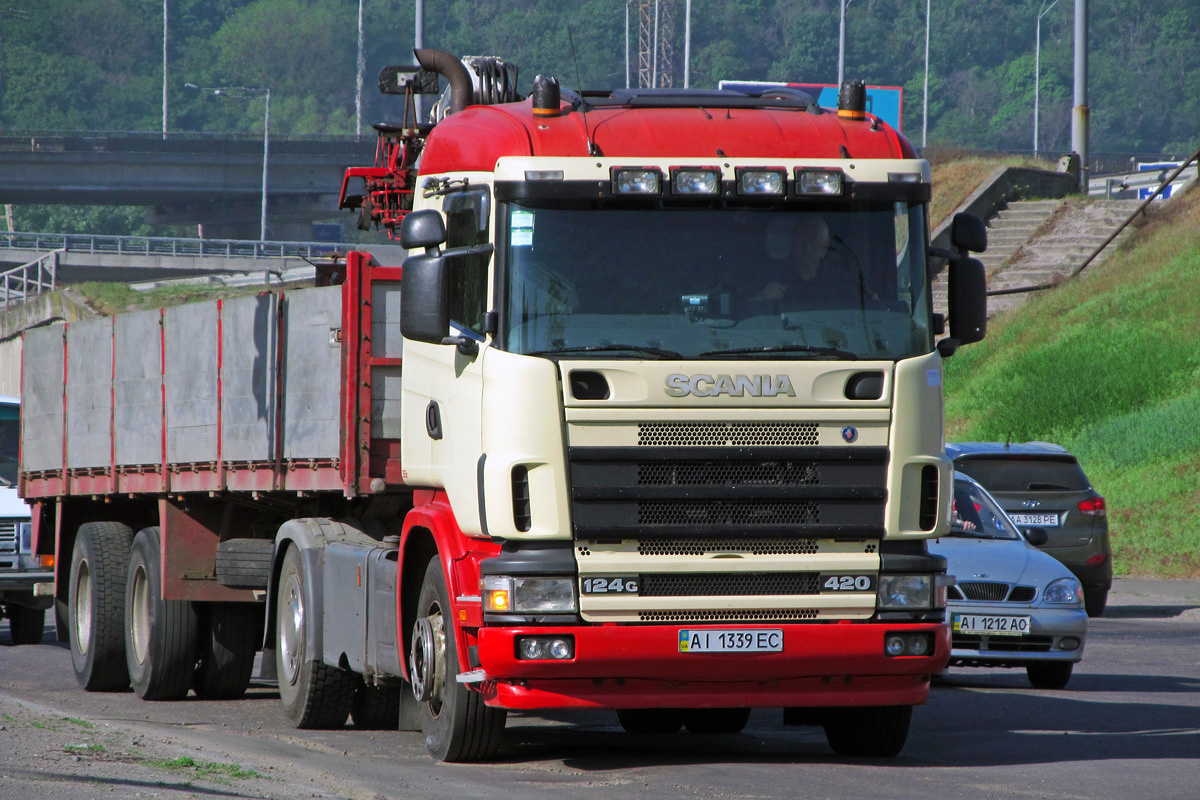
(695, 181)
(531, 648)
(894, 646)
(561, 648)
(918, 646)
(760, 181)
(823, 181)
(1068, 643)
(636, 181)
(542, 648)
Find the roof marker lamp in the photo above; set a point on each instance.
(695, 182)
(759, 182)
(636, 181)
(827, 182)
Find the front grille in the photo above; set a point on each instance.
(728, 481)
(1004, 644)
(981, 590)
(720, 434)
(8, 537)
(729, 584)
(763, 615)
(703, 547)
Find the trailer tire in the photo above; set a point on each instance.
(26, 624)
(650, 720)
(96, 606)
(716, 720)
(868, 732)
(457, 724)
(376, 708)
(160, 635)
(314, 694)
(229, 635)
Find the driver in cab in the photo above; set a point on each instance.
(811, 277)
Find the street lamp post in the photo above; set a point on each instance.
(842, 45)
(925, 113)
(250, 93)
(1037, 71)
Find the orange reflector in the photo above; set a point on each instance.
(47, 561)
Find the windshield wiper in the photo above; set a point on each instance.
(845, 355)
(603, 348)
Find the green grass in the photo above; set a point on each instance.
(1107, 366)
(200, 769)
(86, 748)
(113, 298)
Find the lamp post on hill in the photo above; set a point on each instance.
(250, 93)
(1037, 70)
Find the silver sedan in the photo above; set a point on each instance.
(1013, 605)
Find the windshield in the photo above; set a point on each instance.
(822, 282)
(974, 513)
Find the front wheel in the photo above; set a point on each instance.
(314, 694)
(868, 732)
(1051, 675)
(96, 606)
(458, 726)
(26, 624)
(160, 635)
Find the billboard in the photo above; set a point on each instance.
(885, 102)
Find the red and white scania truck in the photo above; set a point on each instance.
(570, 454)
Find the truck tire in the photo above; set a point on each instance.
(650, 720)
(229, 635)
(314, 694)
(1051, 675)
(457, 725)
(26, 624)
(96, 606)
(376, 708)
(160, 635)
(868, 732)
(716, 720)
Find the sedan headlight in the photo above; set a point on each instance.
(1064, 591)
(521, 595)
(906, 591)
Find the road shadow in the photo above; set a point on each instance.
(1146, 611)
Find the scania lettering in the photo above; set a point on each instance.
(583, 449)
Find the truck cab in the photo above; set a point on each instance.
(21, 571)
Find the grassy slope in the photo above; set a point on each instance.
(1108, 367)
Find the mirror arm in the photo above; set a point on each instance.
(465, 344)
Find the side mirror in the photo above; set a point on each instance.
(424, 228)
(968, 232)
(1035, 536)
(968, 300)
(424, 296)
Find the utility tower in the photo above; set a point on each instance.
(656, 48)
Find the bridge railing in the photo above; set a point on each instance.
(21, 283)
(162, 246)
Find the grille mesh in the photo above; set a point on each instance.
(718, 473)
(764, 615)
(726, 433)
(1022, 594)
(1007, 644)
(731, 584)
(983, 590)
(702, 547)
(719, 513)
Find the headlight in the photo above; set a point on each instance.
(819, 181)
(508, 595)
(636, 181)
(695, 181)
(760, 181)
(1064, 591)
(906, 591)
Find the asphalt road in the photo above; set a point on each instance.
(1127, 726)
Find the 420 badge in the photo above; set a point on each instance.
(748, 640)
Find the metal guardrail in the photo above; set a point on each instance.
(161, 246)
(27, 280)
(1112, 185)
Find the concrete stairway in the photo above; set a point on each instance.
(1040, 241)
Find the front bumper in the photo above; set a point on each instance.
(1048, 627)
(640, 666)
(18, 581)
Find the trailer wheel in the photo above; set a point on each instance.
(96, 606)
(458, 726)
(716, 720)
(26, 624)
(870, 732)
(376, 708)
(228, 639)
(314, 695)
(650, 720)
(160, 635)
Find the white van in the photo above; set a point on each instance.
(20, 569)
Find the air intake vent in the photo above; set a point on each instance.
(766, 615)
(929, 498)
(729, 584)
(522, 517)
(723, 434)
(1022, 594)
(983, 590)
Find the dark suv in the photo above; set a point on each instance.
(1041, 484)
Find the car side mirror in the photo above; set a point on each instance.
(1035, 536)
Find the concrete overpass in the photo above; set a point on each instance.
(192, 178)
